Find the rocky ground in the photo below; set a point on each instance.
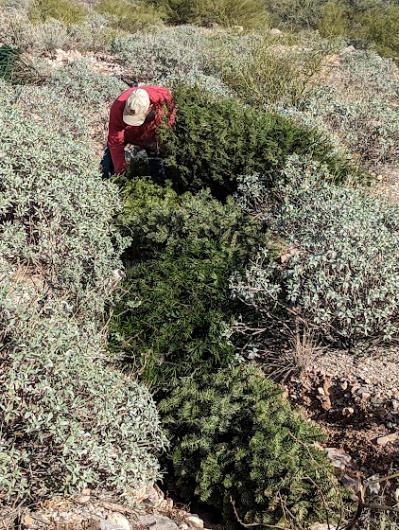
(355, 398)
(148, 509)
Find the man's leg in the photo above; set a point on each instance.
(107, 166)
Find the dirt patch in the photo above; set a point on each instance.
(355, 398)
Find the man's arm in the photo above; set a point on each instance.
(116, 138)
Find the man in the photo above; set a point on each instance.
(134, 119)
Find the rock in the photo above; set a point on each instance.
(164, 523)
(117, 521)
(373, 486)
(113, 507)
(275, 32)
(389, 438)
(338, 457)
(83, 499)
(42, 518)
(8, 521)
(28, 521)
(147, 521)
(194, 522)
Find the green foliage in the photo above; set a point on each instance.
(235, 439)
(379, 27)
(247, 13)
(129, 16)
(334, 19)
(177, 300)
(271, 70)
(68, 420)
(67, 11)
(9, 56)
(215, 140)
(341, 281)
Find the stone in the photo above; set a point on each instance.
(164, 523)
(28, 521)
(389, 438)
(146, 521)
(275, 31)
(194, 522)
(338, 457)
(114, 507)
(42, 518)
(115, 521)
(83, 499)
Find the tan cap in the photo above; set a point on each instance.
(137, 107)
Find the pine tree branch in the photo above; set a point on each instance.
(252, 525)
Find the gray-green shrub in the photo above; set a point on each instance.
(67, 419)
(56, 214)
(342, 278)
(169, 56)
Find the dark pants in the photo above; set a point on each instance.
(157, 168)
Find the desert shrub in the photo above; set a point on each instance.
(236, 440)
(66, 11)
(87, 91)
(341, 276)
(68, 420)
(215, 140)
(129, 16)
(169, 56)
(334, 19)
(378, 27)
(294, 14)
(56, 214)
(9, 56)
(366, 71)
(272, 69)
(247, 13)
(368, 126)
(92, 34)
(173, 314)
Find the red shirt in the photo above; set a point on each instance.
(119, 133)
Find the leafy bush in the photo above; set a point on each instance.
(236, 440)
(272, 69)
(215, 140)
(55, 212)
(68, 420)
(67, 11)
(177, 301)
(341, 279)
(248, 13)
(379, 27)
(169, 56)
(9, 56)
(334, 19)
(129, 16)
(91, 34)
(369, 126)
